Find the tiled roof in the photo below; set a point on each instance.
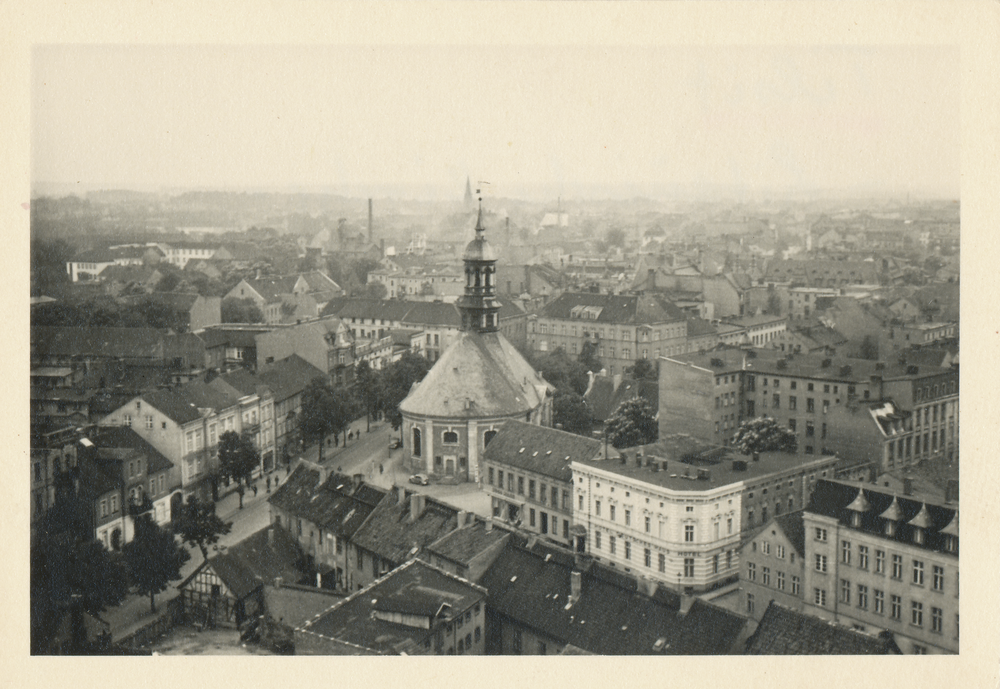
(288, 377)
(831, 498)
(546, 451)
(432, 313)
(479, 375)
(699, 326)
(271, 288)
(319, 282)
(783, 631)
(465, 543)
(256, 560)
(181, 404)
(337, 505)
(392, 535)
(617, 309)
(293, 605)
(531, 586)
(415, 588)
(125, 437)
(792, 526)
(234, 337)
(814, 271)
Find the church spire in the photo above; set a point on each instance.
(468, 193)
(479, 306)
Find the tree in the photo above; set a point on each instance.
(154, 559)
(375, 290)
(643, 369)
(774, 304)
(368, 384)
(561, 371)
(615, 237)
(868, 348)
(633, 423)
(315, 423)
(236, 310)
(763, 434)
(588, 357)
(199, 524)
(399, 378)
(237, 458)
(571, 412)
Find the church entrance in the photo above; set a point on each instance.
(449, 466)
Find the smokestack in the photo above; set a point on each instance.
(369, 221)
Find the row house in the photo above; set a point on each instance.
(757, 331)
(53, 452)
(90, 264)
(231, 346)
(303, 295)
(865, 557)
(435, 282)
(322, 511)
(680, 523)
(180, 252)
(709, 395)
(185, 424)
(623, 328)
(256, 410)
(287, 379)
(529, 477)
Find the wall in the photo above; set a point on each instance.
(686, 400)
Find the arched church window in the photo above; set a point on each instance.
(416, 442)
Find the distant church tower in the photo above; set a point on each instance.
(479, 305)
(468, 193)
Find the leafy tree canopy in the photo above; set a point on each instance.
(154, 559)
(633, 423)
(763, 434)
(199, 524)
(399, 378)
(642, 369)
(235, 310)
(571, 412)
(588, 357)
(562, 371)
(238, 456)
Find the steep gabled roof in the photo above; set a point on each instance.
(615, 309)
(783, 631)
(547, 451)
(338, 505)
(479, 375)
(288, 377)
(392, 535)
(256, 560)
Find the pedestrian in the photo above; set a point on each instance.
(255, 489)
(269, 484)
(381, 469)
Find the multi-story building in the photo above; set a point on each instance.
(871, 559)
(93, 263)
(326, 343)
(180, 252)
(529, 480)
(709, 395)
(773, 565)
(624, 328)
(53, 451)
(287, 379)
(757, 331)
(256, 410)
(680, 522)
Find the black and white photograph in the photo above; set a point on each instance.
(496, 345)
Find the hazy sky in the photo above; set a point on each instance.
(884, 118)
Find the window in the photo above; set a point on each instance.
(820, 563)
(845, 552)
(628, 517)
(897, 566)
(938, 580)
(751, 571)
(780, 580)
(531, 517)
(862, 557)
(729, 525)
(510, 482)
(918, 572)
(937, 616)
(661, 562)
(489, 474)
(896, 607)
(689, 567)
(597, 539)
(597, 507)
(879, 602)
(862, 597)
(916, 613)
(715, 564)
(749, 603)
(845, 591)
(793, 403)
(416, 442)
(531, 489)
(555, 497)
(647, 557)
(796, 584)
(810, 429)
(127, 420)
(580, 501)
(647, 524)
(820, 534)
(628, 550)
(450, 437)
(791, 425)
(689, 533)
(810, 405)
(611, 512)
(765, 576)
(611, 544)
(880, 562)
(520, 485)
(819, 597)
(765, 547)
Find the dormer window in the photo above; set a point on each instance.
(918, 535)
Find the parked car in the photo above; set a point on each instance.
(395, 444)
(420, 479)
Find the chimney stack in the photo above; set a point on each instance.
(575, 585)
(489, 524)
(270, 536)
(400, 494)
(357, 480)
(687, 600)
(278, 582)
(461, 518)
(417, 502)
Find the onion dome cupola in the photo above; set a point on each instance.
(479, 305)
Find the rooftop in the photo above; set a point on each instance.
(416, 589)
(339, 504)
(613, 309)
(543, 450)
(783, 631)
(393, 535)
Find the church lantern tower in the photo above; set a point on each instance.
(479, 305)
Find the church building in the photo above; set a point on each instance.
(480, 382)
